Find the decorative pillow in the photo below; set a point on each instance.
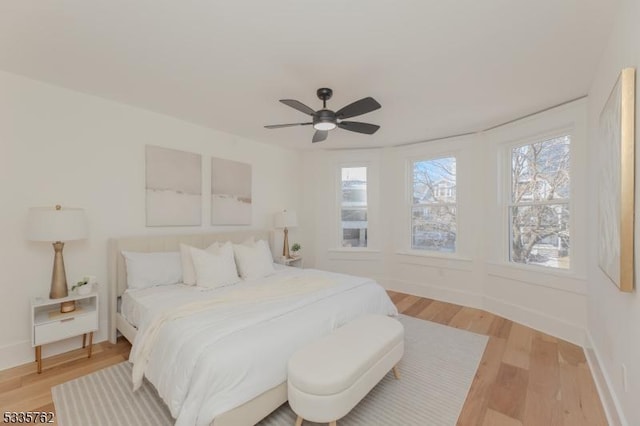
(152, 269)
(188, 270)
(254, 259)
(215, 269)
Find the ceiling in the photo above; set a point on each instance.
(437, 67)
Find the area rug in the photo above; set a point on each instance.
(436, 372)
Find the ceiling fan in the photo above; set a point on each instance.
(325, 119)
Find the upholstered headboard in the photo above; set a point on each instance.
(155, 243)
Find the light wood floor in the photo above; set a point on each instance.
(525, 377)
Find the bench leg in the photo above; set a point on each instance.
(299, 421)
(396, 372)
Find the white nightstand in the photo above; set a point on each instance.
(296, 262)
(49, 325)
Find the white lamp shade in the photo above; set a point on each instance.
(286, 219)
(51, 224)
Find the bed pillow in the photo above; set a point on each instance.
(188, 270)
(215, 268)
(152, 269)
(254, 259)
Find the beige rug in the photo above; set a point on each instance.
(437, 370)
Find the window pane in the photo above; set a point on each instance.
(354, 185)
(354, 215)
(355, 237)
(434, 181)
(434, 228)
(540, 235)
(540, 171)
(354, 207)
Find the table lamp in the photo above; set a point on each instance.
(286, 219)
(57, 224)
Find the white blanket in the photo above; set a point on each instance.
(215, 359)
(147, 335)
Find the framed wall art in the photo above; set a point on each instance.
(616, 190)
(230, 192)
(173, 187)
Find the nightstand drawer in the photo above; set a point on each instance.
(64, 328)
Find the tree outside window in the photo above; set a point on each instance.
(539, 207)
(434, 205)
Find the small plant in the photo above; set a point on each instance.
(80, 284)
(296, 247)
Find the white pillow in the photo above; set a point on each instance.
(254, 259)
(188, 270)
(215, 269)
(152, 269)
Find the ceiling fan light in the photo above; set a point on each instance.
(324, 125)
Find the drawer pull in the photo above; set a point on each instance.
(67, 319)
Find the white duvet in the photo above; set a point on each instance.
(204, 362)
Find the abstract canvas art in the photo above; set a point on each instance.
(230, 192)
(173, 187)
(616, 183)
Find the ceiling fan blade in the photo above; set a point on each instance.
(298, 105)
(319, 136)
(360, 107)
(279, 126)
(356, 126)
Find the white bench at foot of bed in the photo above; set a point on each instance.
(327, 378)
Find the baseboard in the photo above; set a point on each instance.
(433, 292)
(610, 402)
(15, 354)
(20, 353)
(536, 319)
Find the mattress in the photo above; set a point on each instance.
(138, 303)
(216, 359)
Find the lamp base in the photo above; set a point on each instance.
(59, 280)
(285, 247)
(68, 306)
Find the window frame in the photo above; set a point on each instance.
(507, 203)
(338, 213)
(409, 181)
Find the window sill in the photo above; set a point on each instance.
(564, 280)
(353, 250)
(435, 255)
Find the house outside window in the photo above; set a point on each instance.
(354, 207)
(539, 207)
(434, 205)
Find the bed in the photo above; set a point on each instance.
(270, 333)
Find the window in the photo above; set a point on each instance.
(539, 207)
(433, 207)
(353, 207)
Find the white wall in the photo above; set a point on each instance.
(478, 274)
(548, 299)
(62, 147)
(614, 317)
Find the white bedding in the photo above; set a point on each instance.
(213, 361)
(137, 303)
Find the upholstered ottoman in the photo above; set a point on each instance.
(331, 375)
